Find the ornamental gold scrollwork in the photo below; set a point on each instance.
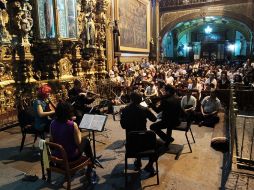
(23, 20)
(64, 67)
(4, 34)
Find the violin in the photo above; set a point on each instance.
(92, 93)
(50, 105)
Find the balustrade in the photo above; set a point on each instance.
(179, 3)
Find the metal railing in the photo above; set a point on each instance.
(231, 123)
(244, 142)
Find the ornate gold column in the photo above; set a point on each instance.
(109, 35)
(88, 36)
(93, 36)
(102, 7)
(6, 67)
(21, 26)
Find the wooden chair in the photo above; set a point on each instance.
(26, 123)
(141, 144)
(186, 128)
(62, 165)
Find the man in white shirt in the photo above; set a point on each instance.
(210, 107)
(211, 82)
(188, 104)
(151, 90)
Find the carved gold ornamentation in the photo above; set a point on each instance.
(4, 34)
(23, 20)
(64, 67)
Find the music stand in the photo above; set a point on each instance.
(93, 122)
(90, 112)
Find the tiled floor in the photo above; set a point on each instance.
(200, 169)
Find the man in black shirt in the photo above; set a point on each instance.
(79, 99)
(134, 118)
(170, 109)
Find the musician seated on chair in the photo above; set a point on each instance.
(41, 109)
(188, 104)
(65, 132)
(79, 98)
(210, 106)
(171, 110)
(134, 118)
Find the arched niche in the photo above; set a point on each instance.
(192, 16)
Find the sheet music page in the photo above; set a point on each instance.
(144, 104)
(86, 121)
(98, 122)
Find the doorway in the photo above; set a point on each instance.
(209, 51)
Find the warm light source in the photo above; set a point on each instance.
(208, 30)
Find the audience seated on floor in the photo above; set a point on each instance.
(188, 104)
(210, 107)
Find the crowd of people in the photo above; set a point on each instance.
(159, 81)
(139, 82)
(200, 75)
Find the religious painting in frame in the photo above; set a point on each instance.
(64, 11)
(134, 25)
(46, 19)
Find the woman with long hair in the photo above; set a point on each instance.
(65, 132)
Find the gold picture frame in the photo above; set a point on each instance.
(134, 25)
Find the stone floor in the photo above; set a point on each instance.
(200, 169)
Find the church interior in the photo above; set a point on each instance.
(108, 50)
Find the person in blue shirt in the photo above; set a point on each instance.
(42, 109)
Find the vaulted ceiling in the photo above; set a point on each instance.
(218, 24)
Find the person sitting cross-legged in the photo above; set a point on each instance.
(210, 106)
(188, 104)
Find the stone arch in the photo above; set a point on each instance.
(227, 14)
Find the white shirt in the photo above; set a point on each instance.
(208, 82)
(191, 102)
(151, 91)
(170, 80)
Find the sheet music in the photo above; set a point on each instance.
(93, 122)
(144, 104)
(86, 121)
(98, 122)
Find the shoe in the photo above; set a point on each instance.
(137, 165)
(171, 139)
(201, 124)
(31, 178)
(149, 169)
(88, 172)
(147, 172)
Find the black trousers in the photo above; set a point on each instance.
(86, 148)
(210, 120)
(158, 126)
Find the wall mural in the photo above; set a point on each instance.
(134, 19)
